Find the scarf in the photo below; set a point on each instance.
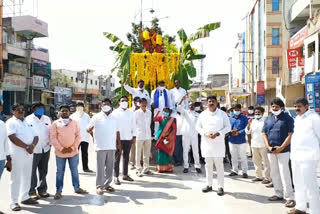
(156, 98)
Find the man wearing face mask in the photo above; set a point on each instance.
(190, 135)
(250, 115)
(65, 136)
(40, 124)
(237, 139)
(137, 92)
(305, 155)
(177, 93)
(277, 132)
(135, 107)
(259, 150)
(103, 126)
(125, 123)
(83, 119)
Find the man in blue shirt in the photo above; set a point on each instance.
(238, 143)
(277, 132)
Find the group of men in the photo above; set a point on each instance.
(277, 142)
(127, 132)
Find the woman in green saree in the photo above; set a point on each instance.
(166, 140)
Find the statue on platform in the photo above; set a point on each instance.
(152, 42)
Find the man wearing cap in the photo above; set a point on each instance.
(137, 92)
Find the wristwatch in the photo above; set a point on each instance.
(27, 147)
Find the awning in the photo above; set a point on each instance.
(240, 96)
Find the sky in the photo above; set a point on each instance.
(76, 27)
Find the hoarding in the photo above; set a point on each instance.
(312, 87)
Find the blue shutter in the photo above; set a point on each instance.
(275, 36)
(275, 5)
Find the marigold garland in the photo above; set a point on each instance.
(154, 67)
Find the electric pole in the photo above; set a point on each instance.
(86, 87)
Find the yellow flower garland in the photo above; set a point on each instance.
(154, 67)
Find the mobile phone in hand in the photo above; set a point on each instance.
(273, 149)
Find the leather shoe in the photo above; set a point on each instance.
(185, 170)
(127, 178)
(29, 201)
(220, 192)
(270, 185)
(233, 174)
(245, 175)
(295, 211)
(198, 170)
(256, 179)
(207, 189)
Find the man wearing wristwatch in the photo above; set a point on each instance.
(213, 124)
(22, 141)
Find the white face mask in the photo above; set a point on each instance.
(79, 109)
(276, 113)
(258, 117)
(250, 111)
(161, 88)
(124, 105)
(197, 108)
(106, 108)
(66, 121)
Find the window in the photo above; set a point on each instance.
(275, 36)
(96, 82)
(76, 79)
(91, 82)
(275, 65)
(275, 5)
(72, 79)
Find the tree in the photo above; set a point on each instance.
(61, 80)
(188, 54)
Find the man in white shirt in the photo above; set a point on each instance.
(189, 135)
(125, 123)
(142, 122)
(5, 159)
(259, 150)
(83, 119)
(135, 107)
(305, 155)
(213, 124)
(104, 128)
(40, 124)
(177, 93)
(137, 92)
(22, 142)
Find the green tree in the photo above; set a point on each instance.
(61, 80)
(189, 54)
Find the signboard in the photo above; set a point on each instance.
(17, 68)
(313, 91)
(296, 74)
(261, 97)
(42, 68)
(40, 82)
(14, 82)
(62, 96)
(297, 40)
(294, 58)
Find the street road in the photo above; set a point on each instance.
(159, 193)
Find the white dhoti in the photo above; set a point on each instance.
(20, 175)
(306, 186)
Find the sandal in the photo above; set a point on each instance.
(275, 198)
(15, 207)
(109, 189)
(81, 191)
(44, 195)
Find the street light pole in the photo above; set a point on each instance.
(29, 49)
